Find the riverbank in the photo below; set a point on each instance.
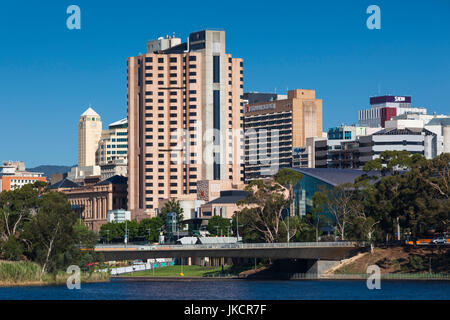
(401, 260)
(25, 273)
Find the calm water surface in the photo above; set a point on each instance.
(235, 290)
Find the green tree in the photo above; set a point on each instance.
(289, 178)
(390, 162)
(339, 203)
(262, 209)
(111, 232)
(172, 205)
(219, 226)
(319, 203)
(150, 228)
(51, 233)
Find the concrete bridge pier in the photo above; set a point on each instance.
(310, 267)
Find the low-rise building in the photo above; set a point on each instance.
(14, 176)
(383, 108)
(224, 206)
(92, 201)
(413, 140)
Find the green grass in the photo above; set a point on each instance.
(22, 271)
(25, 272)
(174, 271)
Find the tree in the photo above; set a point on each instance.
(390, 162)
(263, 208)
(339, 203)
(17, 207)
(289, 178)
(362, 225)
(172, 205)
(150, 228)
(436, 173)
(87, 239)
(112, 232)
(319, 202)
(51, 233)
(218, 226)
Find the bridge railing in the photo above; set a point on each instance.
(237, 246)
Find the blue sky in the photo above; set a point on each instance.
(49, 74)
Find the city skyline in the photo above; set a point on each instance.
(327, 48)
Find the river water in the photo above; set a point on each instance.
(235, 290)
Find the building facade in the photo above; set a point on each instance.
(93, 201)
(14, 176)
(89, 133)
(383, 108)
(274, 129)
(113, 144)
(413, 140)
(184, 107)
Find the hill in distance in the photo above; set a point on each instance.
(48, 170)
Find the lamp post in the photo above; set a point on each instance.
(107, 236)
(126, 233)
(289, 218)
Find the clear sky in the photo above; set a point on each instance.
(49, 75)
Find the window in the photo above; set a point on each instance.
(216, 69)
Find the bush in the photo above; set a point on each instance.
(12, 249)
(416, 262)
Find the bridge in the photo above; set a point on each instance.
(332, 251)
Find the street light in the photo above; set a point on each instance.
(126, 233)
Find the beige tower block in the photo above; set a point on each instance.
(89, 134)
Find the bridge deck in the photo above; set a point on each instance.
(298, 250)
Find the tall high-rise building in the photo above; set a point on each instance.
(185, 117)
(89, 133)
(274, 129)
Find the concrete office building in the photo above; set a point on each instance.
(383, 108)
(434, 123)
(413, 140)
(256, 97)
(193, 86)
(14, 176)
(274, 129)
(113, 144)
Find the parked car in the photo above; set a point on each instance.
(439, 240)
